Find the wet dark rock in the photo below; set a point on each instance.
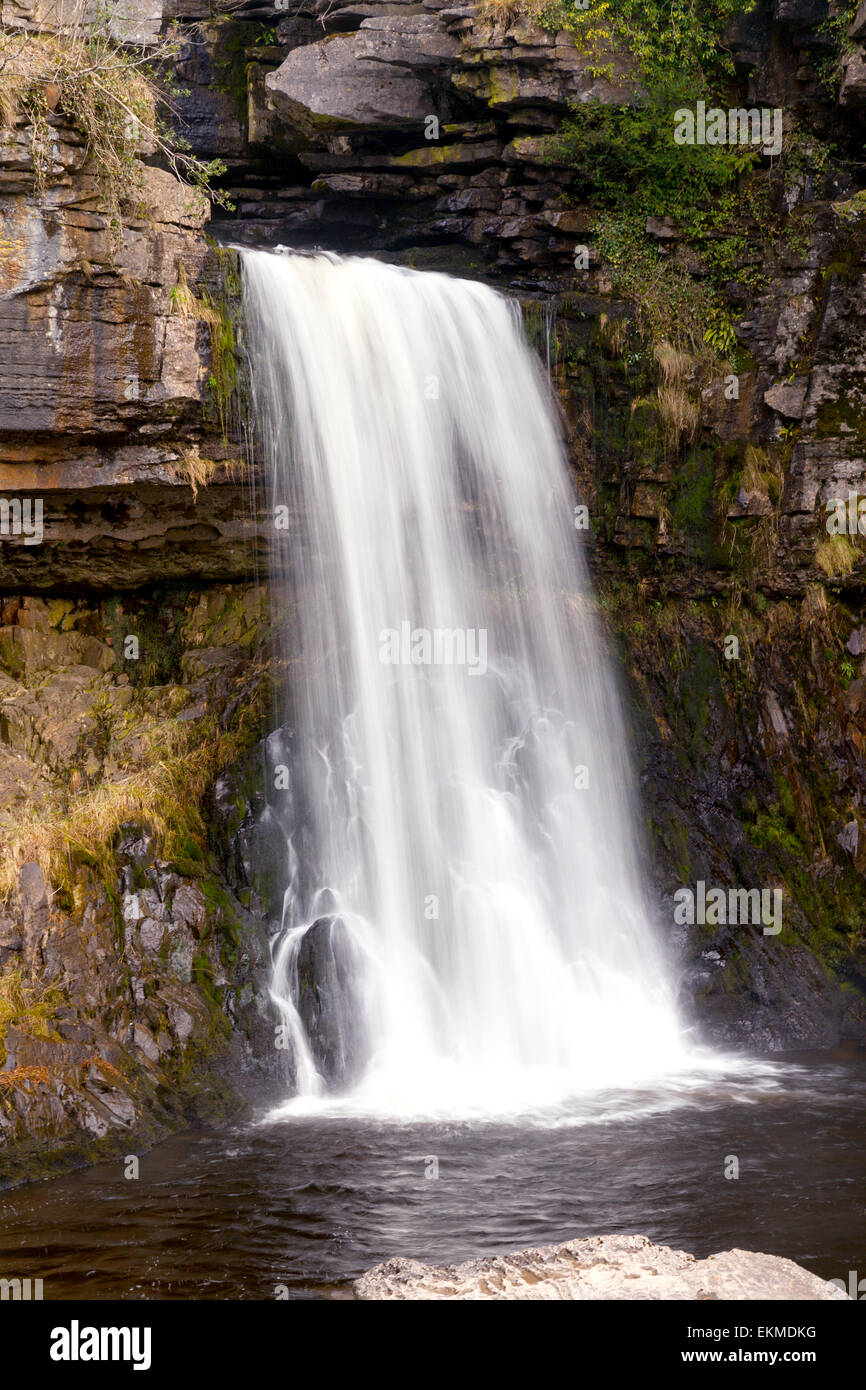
(800, 14)
(330, 978)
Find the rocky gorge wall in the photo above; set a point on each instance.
(135, 951)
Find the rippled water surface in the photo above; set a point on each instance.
(312, 1201)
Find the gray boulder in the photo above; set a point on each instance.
(600, 1267)
(853, 89)
(328, 86)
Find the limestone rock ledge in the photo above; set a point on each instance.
(600, 1267)
(114, 416)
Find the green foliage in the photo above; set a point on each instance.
(156, 624)
(805, 154)
(671, 304)
(628, 152)
(669, 39)
(224, 382)
(835, 29)
(772, 832)
(626, 161)
(720, 335)
(852, 210)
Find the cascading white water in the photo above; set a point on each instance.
(465, 929)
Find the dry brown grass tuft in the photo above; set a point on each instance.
(675, 366)
(613, 334)
(759, 475)
(506, 11)
(836, 556)
(184, 303)
(27, 1008)
(164, 794)
(10, 102)
(105, 1067)
(191, 468)
(175, 764)
(24, 1078)
(679, 415)
(111, 92)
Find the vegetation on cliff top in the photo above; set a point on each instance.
(625, 157)
(113, 93)
(710, 198)
(668, 39)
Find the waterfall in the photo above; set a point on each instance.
(465, 928)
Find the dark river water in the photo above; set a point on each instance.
(310, 1202)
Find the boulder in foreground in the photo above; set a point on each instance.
(600, 1267)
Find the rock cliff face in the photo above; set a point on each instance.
(409, 129)
(133, 967)
(105, 407)
(417, 132)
